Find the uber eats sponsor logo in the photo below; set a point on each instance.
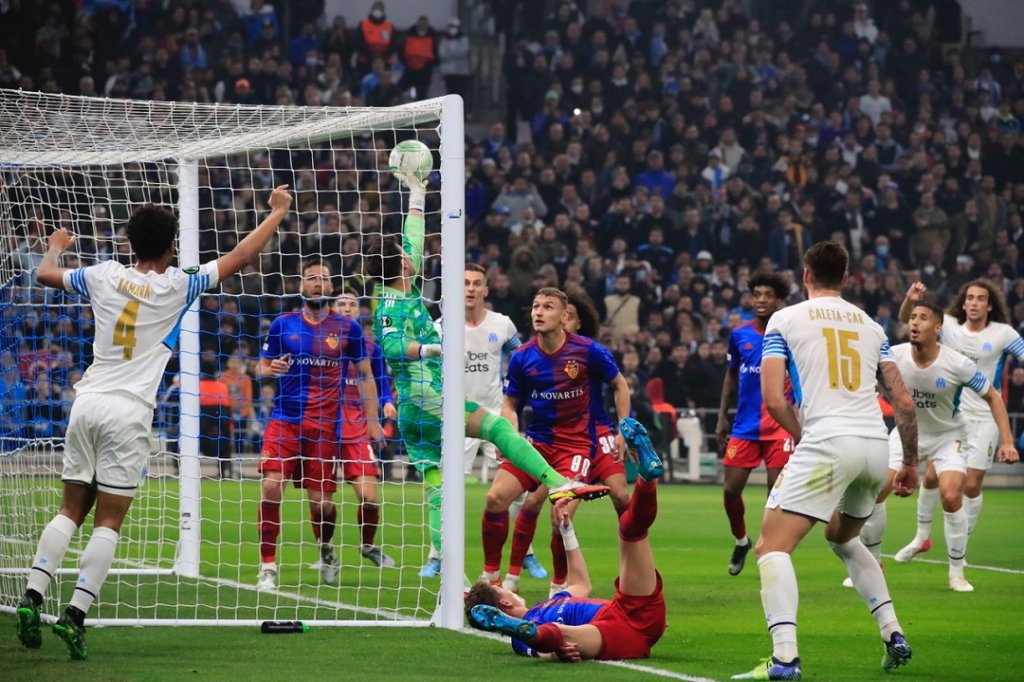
(477, 362)
(924, 399)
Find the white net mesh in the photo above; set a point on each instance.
(85, 164)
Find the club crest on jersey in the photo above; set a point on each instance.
(986, 347)
(332, 341)
(572, 368)
(940, 383)
(492, 338)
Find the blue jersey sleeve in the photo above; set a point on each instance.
(602, 364)
(272, 344)
(734, 353)
(380, 373)
(355, 346)
(514, 378)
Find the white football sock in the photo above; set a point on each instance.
(869, 582)
(434, 554)
(972, 505)
(955, 530)
(873, 530)
(745, 540)
(93, 568)
(926, 502)
(780, 598)
(53, 543)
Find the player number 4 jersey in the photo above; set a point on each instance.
(989, 349)
(138, 318)
(832, 349)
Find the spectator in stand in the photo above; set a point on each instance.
(517, 196)
(453, 53)
(375, 39)
(622, 308)
(656, 178)
(419, 54)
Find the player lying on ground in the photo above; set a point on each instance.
(937, 376)
(571, 626)
(412, 349)
(138, 312)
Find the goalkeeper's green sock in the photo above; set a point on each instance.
(432, 481)
(518, 450)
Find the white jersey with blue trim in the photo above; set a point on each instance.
(936, 389)
(138, 317)
(832, 350)
(488, 346)
(989, 349)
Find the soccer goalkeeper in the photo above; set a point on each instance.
(412, 349)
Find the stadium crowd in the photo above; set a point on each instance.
(653, 154)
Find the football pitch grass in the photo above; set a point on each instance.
(715, 621)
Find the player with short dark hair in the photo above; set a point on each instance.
(138, 311)
(310, 353)
(755, 436)
(572, 626)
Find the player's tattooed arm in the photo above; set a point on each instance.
(891, 382)
(50, 272)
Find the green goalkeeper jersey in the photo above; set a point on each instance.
(402, 318)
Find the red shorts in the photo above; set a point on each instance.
(604, 465)
(566, 461)
(631, 625)
(309, 455)
(747, 454)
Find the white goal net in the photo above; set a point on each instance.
(190, 548)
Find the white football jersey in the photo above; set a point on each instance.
(138, 317)
(488, 346)
(832, 349)
(988, 349)
(936, 388)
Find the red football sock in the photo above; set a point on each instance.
(315, 521)
(642, 510)
(270, 526)
(494, 529)
(368, 517)
(548, 639)
(559, 562)
(735, 509)
(522, 536)
(328, 522)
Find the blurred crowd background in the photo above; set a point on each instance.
(653, 154)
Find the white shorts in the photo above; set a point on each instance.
(948, 451)
(982, 443)
(108, 442)
(843, 474)
(485, 448)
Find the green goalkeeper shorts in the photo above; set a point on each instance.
(420, 425)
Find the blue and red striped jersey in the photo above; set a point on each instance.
(320, 352)
(353, 423)
(562, 608)
(752, 419)
(560, 388)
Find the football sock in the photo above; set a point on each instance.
(53, 543)
(735, 509)
(517, 504)
(494, 530)
(559, 561)
(869, 581)
(926, 501)
(270, 526)
(328, 522)
(434, 512)
(972, 505)
(93, 568)
(518, 450)
(522, 537)
(873, 530)
(641, 512)
(780, 599)
(368, 518)
(955, 530)
(548, 638)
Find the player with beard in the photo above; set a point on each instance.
(309, 352)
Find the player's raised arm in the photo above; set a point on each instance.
(247, 250)
(915, 294)
(51, 272)
(577, 581)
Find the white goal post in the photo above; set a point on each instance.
(188, 553)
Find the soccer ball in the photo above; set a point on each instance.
(411, 158)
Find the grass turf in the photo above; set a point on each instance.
(715, 621)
